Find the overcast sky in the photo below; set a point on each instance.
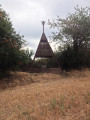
(26, 15)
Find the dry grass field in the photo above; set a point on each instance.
(45, 96)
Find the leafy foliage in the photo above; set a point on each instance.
(74, 34)
(25, 58)
(11, 55)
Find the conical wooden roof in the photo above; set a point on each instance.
(44, 49)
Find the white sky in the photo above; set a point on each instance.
(26, 15)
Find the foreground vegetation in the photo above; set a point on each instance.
(25, 96)
(46, 96)
(72, 37)
(12, 56)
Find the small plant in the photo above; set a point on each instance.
(72, 98)
(35, 74)
(31, 79)
(62, 99)
(87, 119)
(61, 103)
(19, 107)
(26, 114)
(72, 101)
(33, 117)
(33, 109)
(53, 103)
(87, 98)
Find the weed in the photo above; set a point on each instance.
(33, 109)
(41, 113)
(62, 98)
(87, 119)
(31, 79)
(35, 74)
(62, 107)
(88, 93)
(87, 98)
(33, 117)
(19, 107)
(72, 98)
(53, 103)
(69, 106)
(26, 114)
(61, 104)
(72, 103)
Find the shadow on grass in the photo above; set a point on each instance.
(12, 80)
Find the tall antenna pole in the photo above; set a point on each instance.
(43, 23)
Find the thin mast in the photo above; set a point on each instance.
(43, 23)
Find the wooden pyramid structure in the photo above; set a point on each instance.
(44, 49)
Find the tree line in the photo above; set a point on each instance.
(12, 57)
(72, 38)
(73, 33)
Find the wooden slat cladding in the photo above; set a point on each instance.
(44, 49)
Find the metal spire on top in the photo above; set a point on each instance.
(43, 23)
(44, 49)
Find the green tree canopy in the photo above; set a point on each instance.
(73, 33)
(74, 29)
(11, 43)
(7, 33)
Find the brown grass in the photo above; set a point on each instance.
(46, 96)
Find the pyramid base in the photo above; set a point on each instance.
(45, 70)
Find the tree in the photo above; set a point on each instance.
(74, 31)
(25, 59)
(10, 43)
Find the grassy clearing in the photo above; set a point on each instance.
(47, 97)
